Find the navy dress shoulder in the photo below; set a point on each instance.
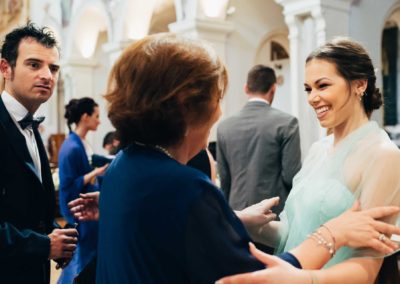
(166, 223)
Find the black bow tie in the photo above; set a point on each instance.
(29, 120)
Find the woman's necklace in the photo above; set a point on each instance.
(158, 148)
(165, 151)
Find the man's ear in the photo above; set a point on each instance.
(5, 69)
(273, 88)
(246, 89)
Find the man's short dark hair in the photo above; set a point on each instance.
(260, 79)
(43, 35)
(109, 138)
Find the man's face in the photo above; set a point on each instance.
(31, 81)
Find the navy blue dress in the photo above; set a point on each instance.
(164, 222)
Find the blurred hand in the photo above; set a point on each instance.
(278, 272)
(63, 243)
(356, 228)
(86, 207)
(101, 170)
(256, 216)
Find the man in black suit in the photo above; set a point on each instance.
(28, 235)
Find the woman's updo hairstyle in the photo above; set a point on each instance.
(76, 108)
(160, 85)
(352, 63)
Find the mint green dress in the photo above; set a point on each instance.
(364, 165)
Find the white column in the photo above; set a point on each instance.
(80, 74)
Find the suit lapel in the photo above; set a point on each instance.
(44, 162)
(15, 138)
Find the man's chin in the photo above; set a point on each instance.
(44, 96)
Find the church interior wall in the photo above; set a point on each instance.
(251, 25)
(254, 23)
(366, 25)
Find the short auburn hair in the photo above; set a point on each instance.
(160, 85)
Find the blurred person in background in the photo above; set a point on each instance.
(77, 176)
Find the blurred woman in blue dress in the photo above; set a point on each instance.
(77, 176)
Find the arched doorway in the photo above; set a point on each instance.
(274, 52)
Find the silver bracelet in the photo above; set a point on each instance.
(330, 246)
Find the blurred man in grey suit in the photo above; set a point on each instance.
(258, 150)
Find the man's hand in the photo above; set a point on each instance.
(63, 243)
(86, 207)
(256, 216)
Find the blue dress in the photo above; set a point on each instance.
(73, 165)
(164, 222)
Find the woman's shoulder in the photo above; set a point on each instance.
(377, 151)
(388, 150)
(70, 145)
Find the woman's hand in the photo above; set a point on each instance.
(86, 207)
(356, 228)
(256, 216)
(278, 272)
(91, 176)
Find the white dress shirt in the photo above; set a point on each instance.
(259, 100)
(17, 112)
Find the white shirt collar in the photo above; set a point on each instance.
(14, 107)
(258, 100)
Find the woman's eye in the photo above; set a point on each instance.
(307, 90)
(323, 86)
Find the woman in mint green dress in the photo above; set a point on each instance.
(357, 161)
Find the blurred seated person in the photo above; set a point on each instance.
(111, 143)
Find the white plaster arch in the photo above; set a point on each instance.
(135, 19)
(279, 35)
(282, 98)
(94, 8)
(393, 13)
(163, 14)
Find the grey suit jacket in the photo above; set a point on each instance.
(258, 154)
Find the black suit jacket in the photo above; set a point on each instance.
(27, 207)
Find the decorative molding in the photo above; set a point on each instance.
(209, 25)
(80, 63)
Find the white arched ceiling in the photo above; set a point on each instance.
(214, 8)
(163, 15)
(395, 17)
(89, 19)
(137, 18)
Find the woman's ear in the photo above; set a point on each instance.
(360, 86)
(84, 117)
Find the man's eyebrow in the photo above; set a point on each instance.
(55, 65)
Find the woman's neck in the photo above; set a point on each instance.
(348, 126)
(81, 131)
